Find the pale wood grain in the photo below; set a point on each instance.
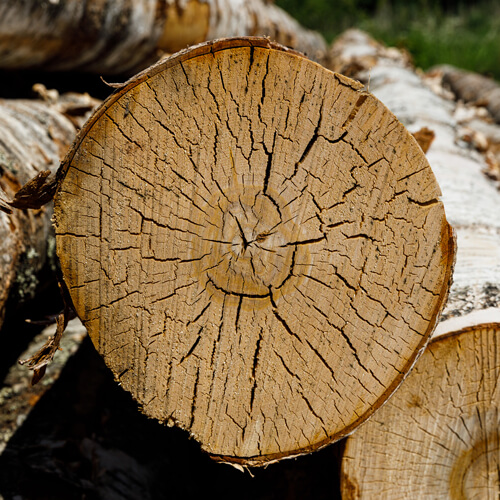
(255, 245)
(438, 436)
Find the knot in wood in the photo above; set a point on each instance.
(251, 245)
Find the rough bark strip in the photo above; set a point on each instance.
(438, 436)
(125, 36)
(215, 252)
(34, 137)
(471, 200)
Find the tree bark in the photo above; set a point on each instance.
(438, 435)
(34, 136)
(124, 36)
(255, 246)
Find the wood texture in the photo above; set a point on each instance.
(255, 245)
(438, 436)
(125, 36)
(470, 198)
(34, 137)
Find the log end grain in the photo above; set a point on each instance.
(438, 437)
(255, 245)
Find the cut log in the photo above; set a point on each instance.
(438, 436)
(255, 246)
(471, 199)
(34, 137)
(125, 36)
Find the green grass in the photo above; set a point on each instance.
(466, 36)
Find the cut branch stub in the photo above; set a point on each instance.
(438, 437)
(255, 245)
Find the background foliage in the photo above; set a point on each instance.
(459, 32)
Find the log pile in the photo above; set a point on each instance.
(258, 248)
(438, 436)
(35, 136)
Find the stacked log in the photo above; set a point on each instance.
(255, 245)
(35, 135)
(478, 112)
(438, 436)
(473, 88)
(125, 36)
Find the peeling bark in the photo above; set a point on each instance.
(255, 245)
(124, 36)
(34, 137)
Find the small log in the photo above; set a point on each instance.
(35, 136)
(438, 436)
(125, 36)
(255, 246)
(472, 88)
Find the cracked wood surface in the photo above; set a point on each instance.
(255, 245)
(125, 36)
(472, 201)
(438, 436)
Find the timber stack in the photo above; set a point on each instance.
(442, 425)
(261, 247)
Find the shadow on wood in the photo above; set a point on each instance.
(86, 439)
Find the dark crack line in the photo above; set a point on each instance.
(304, 242)
(285, 324)
(193, 347)
(236, 294)
(199, 315)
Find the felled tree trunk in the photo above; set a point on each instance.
(471, 200)
(34, 137)
(438, 436)
(125, 36)
(255, 245)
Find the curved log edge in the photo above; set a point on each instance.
(470, 198)
(417, 189)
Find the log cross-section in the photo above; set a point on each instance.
(256, 246)
(438, 437)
